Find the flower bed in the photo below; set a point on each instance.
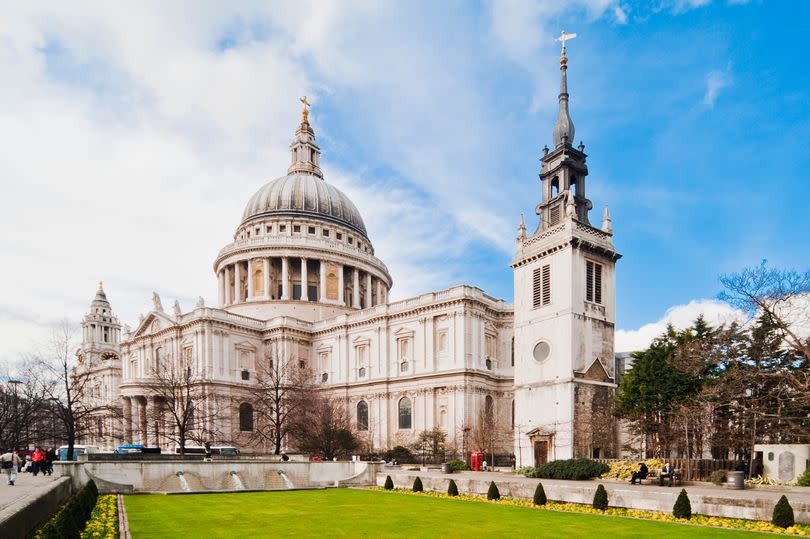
(696, 520)
(103, 523)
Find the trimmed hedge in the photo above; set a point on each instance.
(600, 498)
(452, 489)
(783, 513)
(804, 479)
(493, 493)
(417, 485)
(577, 469)
(718, 477)
(682, 507)
(71, 517)
(539, 495)
(389, 483)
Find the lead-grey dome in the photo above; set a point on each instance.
(304, 195)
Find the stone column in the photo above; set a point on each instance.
(221, 282)
(304, 295)
(356, 291)
(142, 420)
(228, 295)
(322, 283)
(127, 409)
(379, 292)
(251, 292)
(341, 286)
(285, 278)
(237, 285)
(266, 277)
(368, 290)
(149, 407)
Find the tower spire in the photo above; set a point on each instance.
(305, 154)
(564, 126)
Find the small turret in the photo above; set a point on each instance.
(607, 226)
(305, 154)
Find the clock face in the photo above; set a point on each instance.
(541, 351)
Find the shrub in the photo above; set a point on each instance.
(718, 477)
(804, 479)
(683, 507)
(458, 465)
(417, 485)
(600, 498)
(783, 513)
(400, 454)
(492, 492)
(71, 517)
(389, 483)
(452, 489)
(577, 469)
(540, 495)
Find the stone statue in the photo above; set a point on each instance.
(200, 302)
(570, 208)
(176, 309)
(156, 304)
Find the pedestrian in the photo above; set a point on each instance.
(38, 458)
(666, 473)
(50, 456)
(640, 474)
(208, 451)
(9, 463)
(484, 465)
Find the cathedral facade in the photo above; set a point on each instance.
(301, 283)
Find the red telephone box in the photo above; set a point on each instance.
(476, 461)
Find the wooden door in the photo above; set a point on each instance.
(540, 452)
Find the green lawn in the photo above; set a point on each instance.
(362, 513)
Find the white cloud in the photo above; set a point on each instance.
(620, 14)
(680, 316)
(715, 82)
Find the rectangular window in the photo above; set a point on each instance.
(296, 228)
(593, 282)
(282, 228)
(554, 215)
(541, 286)
(325, 232)
(269, 229)
(311, 230)
(338, 235)
(351, 240)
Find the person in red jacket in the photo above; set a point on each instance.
(38, 460)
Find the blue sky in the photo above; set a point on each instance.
(134, 136)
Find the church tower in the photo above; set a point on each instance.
(99, 360)
(564, 313)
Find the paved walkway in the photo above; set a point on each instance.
(25, 486)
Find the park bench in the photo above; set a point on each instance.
(652, 477)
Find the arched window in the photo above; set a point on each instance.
(362, 415)
(489, 407)
(404, 413)
(245, 417)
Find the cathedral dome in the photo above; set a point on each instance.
(302, 194)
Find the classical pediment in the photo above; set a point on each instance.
(596, 372)
(152, 323)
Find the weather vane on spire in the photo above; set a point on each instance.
(563, 38)
(305, 110)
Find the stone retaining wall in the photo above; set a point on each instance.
(20, 518)
(748, 504)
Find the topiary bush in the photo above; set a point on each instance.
(718, 477)
(600, 498)
(576, 469)
(458, 465)
(683, 507)
(389, 483)
(417, 485)
(539, 495)
(804, 479)
(452, 489)
(492, 492)
(783, 513)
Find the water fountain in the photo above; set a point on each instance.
(183, 482)
(287, 482)
(237, 481)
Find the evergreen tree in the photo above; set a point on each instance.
(540, 495)
(389, 483)
(783, 513)
(417, 485)
(683, 507)
(452, 489)
(492, 492)
(600, 498)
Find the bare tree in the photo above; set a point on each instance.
(66, 387)
(284, 388)
(489, 435)
(323, 427)
(182, 396)
(23, 408)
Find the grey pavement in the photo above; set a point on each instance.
(26, 485)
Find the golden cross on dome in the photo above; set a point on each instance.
(565, 37)
(305, 110)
